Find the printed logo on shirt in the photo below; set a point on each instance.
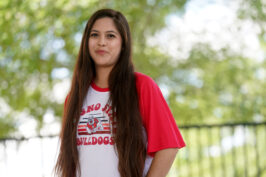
(94, 124)
(96, 120)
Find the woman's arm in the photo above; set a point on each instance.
(162, 162)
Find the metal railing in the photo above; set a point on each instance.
(225, 150)
(221, 150)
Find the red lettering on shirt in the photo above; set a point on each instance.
(86, 141)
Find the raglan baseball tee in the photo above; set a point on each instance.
(97, 155)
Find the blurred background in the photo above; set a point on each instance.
(207, 56)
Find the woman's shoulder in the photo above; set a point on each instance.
(142, 77)
(143, 80)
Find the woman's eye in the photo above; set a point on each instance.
(93, 35)
(110, 35)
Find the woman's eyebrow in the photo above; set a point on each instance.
(110, 31)
(94, 31)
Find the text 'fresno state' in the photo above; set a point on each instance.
(95, 107)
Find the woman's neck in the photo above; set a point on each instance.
(102, 76)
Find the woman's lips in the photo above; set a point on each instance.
(100, 52)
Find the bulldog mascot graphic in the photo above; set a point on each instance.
(94, 124)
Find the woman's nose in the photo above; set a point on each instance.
(102, 41)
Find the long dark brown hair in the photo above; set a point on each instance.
(129, 140)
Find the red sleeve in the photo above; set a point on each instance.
(162, 131)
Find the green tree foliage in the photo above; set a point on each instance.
(222, 90)
(40, 36)
(255, 10)
(30, 30)
(227, 87)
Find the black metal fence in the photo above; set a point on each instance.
(224, 150)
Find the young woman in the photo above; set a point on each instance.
(116, 121)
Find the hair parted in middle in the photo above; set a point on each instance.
(129, 139)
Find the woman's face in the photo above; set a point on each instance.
(104, 43)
